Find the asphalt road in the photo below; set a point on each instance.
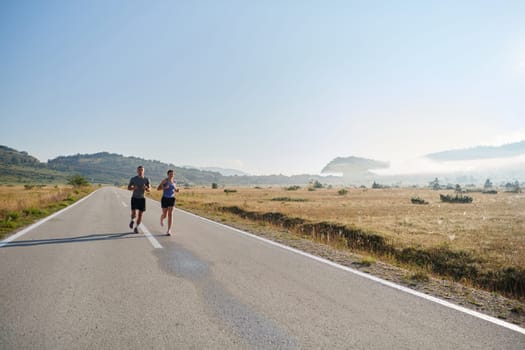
(82, 280)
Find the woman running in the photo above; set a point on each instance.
(169, 187)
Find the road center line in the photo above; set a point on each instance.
(145, 230)
(150, 237)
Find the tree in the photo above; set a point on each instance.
(77, 181)
(317, 184)
(488, 184)
(435, 184)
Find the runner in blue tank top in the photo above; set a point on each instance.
(168, 187)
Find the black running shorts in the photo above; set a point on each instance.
(138, 204)
(167, 202)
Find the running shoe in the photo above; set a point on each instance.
(136, 230)
(131, 224)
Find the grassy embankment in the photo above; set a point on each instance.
(22, 205)
(479, 243)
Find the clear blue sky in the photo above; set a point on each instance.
(261, 86)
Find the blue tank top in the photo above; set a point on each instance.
(169, 189)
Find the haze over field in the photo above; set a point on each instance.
(265, 88)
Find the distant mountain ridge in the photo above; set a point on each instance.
(111, 168)
(466, 166)
(222, 171)
(480, 152)
(14, 157)
(20, 167)
(107, 167)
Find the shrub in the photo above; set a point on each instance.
(435, 184)
(456, 199)
(32, 211)
(292, 188)
(365, 261)
(12, 216)
(417, 200)
(317, 184)
(379, 186)
(342, 191)
(77, 181)
(288, 199)
(214, 186)
(226, 190)
(419, 277)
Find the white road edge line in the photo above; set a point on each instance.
(38, 223)
(375, 279)
(150, 237)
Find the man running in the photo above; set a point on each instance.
(138, 184)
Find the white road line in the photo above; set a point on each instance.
(150, 237)
(376, 279)
(38, 223)
(146, 232)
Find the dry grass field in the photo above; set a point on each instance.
(21, 205)
(490, 230)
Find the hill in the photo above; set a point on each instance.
(480, 152)
(20, 167)
(14, 157)
(355, 170)
(223, 171)
(501, 164)
(111, 168)
(105, 168)
(117, 169)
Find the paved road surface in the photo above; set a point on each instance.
(81, 280)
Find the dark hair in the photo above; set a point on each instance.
(169, 171)
(140, 166)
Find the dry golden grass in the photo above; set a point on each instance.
(492, 227)
(20, 205)
(17, 198)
